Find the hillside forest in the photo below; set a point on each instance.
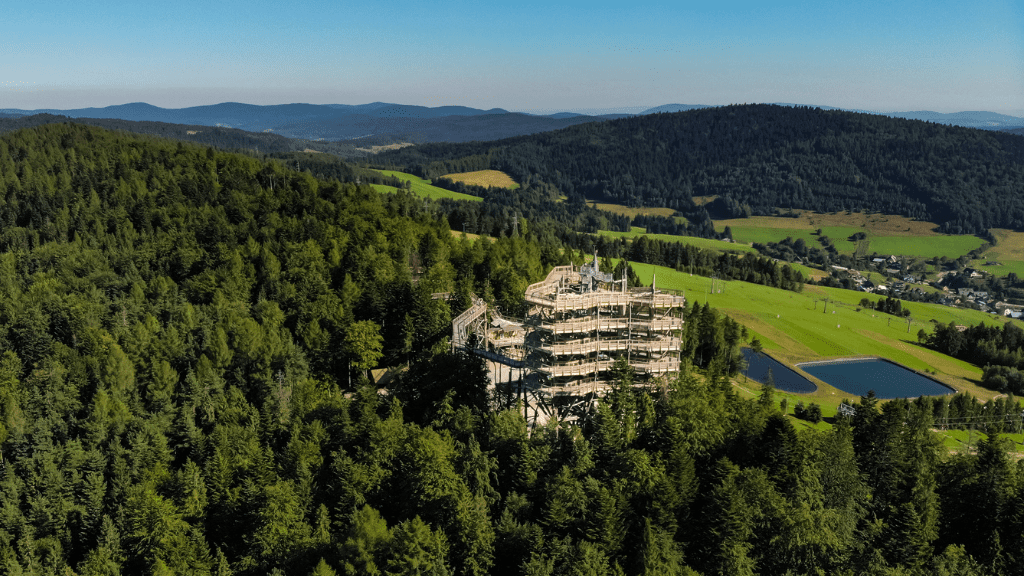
(185, 341)
(760, 159)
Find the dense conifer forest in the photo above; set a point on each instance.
(761, 158)
(216, 136)
(185, 335)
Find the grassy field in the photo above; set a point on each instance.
(872, 224)
(422, 187)
(707, 243)
(926, 247)
(1008, 251)
(795, 327)
(458, 234)
(485, 178)
(634, 212)
(376, 149)
(765, 234)
(886, 234)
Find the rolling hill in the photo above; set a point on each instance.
(390, 123)
(386, 122)
(760, 158)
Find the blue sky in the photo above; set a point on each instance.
(535, 55)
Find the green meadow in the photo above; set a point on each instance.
(764, 235)
(796, 327)
(422, 187)
(821, 323)
(924, 247)
(1008, 252)
(706, 243)
(886, 234)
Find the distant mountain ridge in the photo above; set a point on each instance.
(979, 119)
(675, 108)
(393, 122)
(419, 124)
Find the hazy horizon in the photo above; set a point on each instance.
(540, 56)
(576, 110)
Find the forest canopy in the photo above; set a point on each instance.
(759, 158)
(184, 339)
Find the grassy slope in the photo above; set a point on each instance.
(485, 178)
(886, 234)
(718, 245)
(422, 187)
(707, 244)
(1008, 251)
(793, 327)
(634, 212)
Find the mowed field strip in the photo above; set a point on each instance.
(795, 327)
(485, 178)
(708, 243)
(633, 212)
(422, 187)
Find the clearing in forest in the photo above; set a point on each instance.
(485, 178)
(376, 149)
(633, 212)
(886, 234)
(422, 187)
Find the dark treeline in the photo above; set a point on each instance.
(964, 412)
(997, 349)
(178, 330)
(537, 204)
(328, 166)
(664, 225)
(824, 255)
(686, 257)
(760, 158)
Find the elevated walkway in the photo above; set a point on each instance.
(564, 302)
(597, 345)
(609, 323)
(463, 323)
(584, 368)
